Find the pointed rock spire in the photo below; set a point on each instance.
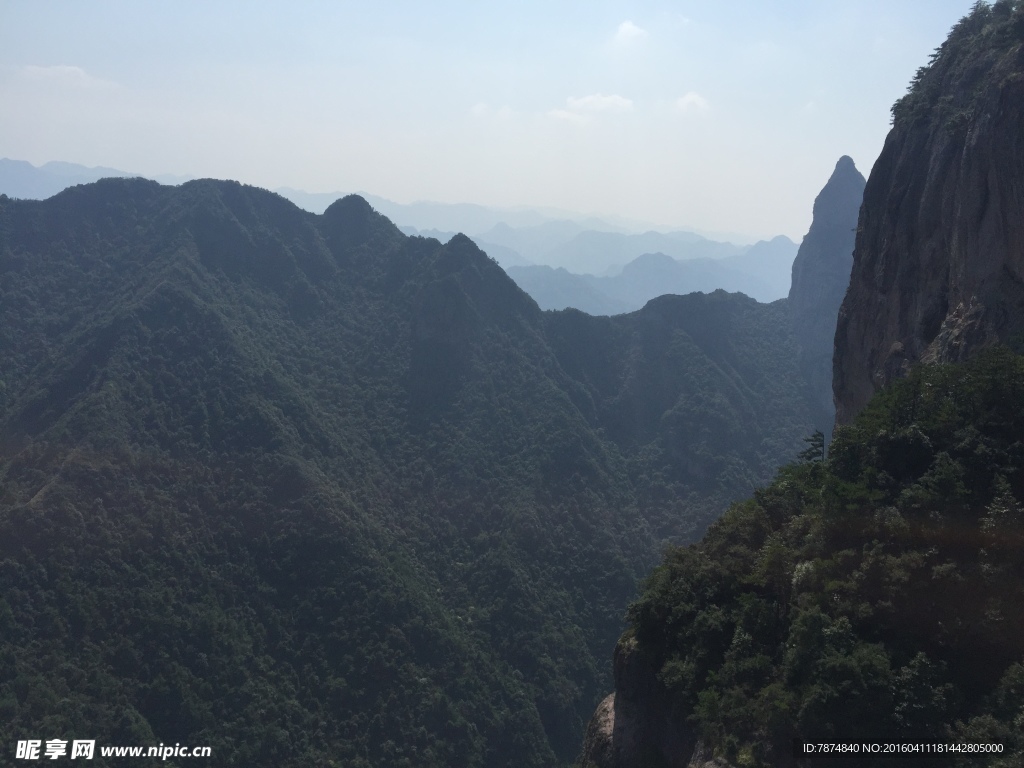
(821, 274)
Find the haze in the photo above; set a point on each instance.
(723, 117)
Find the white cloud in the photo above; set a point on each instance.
(569, 117)
(598, 102)
(692, 102)
(63, 75)
(628, 33)
(581, 110)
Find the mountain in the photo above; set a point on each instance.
(696, 391)
(437, 234)
(456, 217)
(532, 242)
(653, 274)
(761, 272)
(514, 237)
(581, 250)
(306, 490)
(596, 253)
(506, 257)
(20, 179)
(821, 275)
(871, 595)
(468, 218)
(938, 268)
(560, 289)
(871, 598)
(24, 180)
(770, 262)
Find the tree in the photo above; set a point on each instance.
(815, 450)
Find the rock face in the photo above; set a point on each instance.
(938, 267)
(821, 274)
(637, 726)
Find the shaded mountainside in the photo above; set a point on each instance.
(873, 595)
(821, 275)
(696, 391)
(939, 263)
(312, 492)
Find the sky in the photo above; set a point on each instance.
(715, 116)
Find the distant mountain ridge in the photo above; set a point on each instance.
(760, 271)
(595, 253)
(514, 237)
(23, 180)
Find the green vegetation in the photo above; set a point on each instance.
(311, 492)
(874, 596)
(701, 394)
(974, 62)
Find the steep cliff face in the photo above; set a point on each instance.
(938, 268)
(821, 274)
(638, 725)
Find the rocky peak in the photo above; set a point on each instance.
(938, 268)
(843, 192)
(821, 273)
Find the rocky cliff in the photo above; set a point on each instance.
(821, 274)
(938, 267)
(638, 724)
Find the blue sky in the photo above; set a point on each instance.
(719, 116)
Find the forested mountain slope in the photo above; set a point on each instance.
(870, 598)
(312, 492)
(697, 392)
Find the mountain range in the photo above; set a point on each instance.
(311, 490)
(305, 489)
(761, 271)
(572, 256)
